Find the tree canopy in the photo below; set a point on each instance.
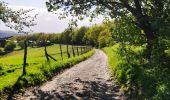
(17, 20)
(150, 16)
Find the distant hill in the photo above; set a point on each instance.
(5, 34)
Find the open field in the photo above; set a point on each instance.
(14, 60)
(37, 70)
(35, 55)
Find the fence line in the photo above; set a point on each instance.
(80, 50)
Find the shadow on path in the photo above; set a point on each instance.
(15, 88)
(81, 90)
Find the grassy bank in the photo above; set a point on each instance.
(37, 73)
(139, 82)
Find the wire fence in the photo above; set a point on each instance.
(71, 51)
(63, 52)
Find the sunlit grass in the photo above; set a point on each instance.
(36, 73)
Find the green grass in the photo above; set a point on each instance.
(35, 55)
(14, 60)
(36, 73)
(139, 82)
(112, 57)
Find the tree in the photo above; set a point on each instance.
(91, 36)
(105, 38)
(9, 46)
(66, 36)
(18, 20)
(147, 15)
(142, 23)
(77, 35)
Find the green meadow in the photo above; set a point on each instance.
(35, 55)
(38, 70)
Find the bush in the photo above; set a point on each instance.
(10, 46)
(139, 80)
(1, 50)
(21, 44)
(1, 67)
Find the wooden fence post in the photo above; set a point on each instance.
(81, 50)
(61, 53)
(73, 51)
(77, 51)
(68, 52)
(85, 49)
(25, 57)
(46, 54)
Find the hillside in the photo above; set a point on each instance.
(4, 34)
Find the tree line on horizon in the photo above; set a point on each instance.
(96, 36)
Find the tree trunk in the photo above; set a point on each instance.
(25, 58)
(144, 23)
(151, 41)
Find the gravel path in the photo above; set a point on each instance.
(88, 80)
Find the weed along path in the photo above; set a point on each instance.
(89, 79)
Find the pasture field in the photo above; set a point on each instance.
(35, 55)
(37, 69)
(14, 60)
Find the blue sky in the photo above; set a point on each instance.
(46, 22)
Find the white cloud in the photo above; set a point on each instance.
(49, 22)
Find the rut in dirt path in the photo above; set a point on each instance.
(89, 79)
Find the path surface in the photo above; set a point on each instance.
(88, 80)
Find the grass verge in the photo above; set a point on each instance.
(139, 82)
(37, 74)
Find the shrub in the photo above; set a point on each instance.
(1, 50)
(1, 67)
(10, 46)
(21, 44)
(139, 81)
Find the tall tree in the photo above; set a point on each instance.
(77, 35)
(17, 20)
(147, 15)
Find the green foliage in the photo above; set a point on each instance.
(21, 44)
(132, 72)
(97, 35)
(17, 20)
(105, 36)
(38, 39)
(1, 67)
(1, 50)
(91, 36)
(78, 34)
(9, 46)
(66, 36)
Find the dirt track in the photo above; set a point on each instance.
(89, 79)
